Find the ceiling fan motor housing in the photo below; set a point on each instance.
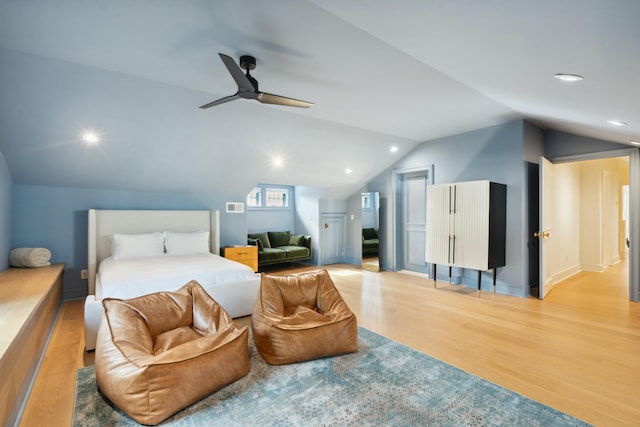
(247, 62)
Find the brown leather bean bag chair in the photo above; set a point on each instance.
(302, 317)
(159, 353)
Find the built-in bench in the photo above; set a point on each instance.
(29, 303)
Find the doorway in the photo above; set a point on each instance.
(410, 218)
(582, 219)
(371, 231)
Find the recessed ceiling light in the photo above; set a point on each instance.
(616, 123)
(348, 171)
(568, 77)
(91, 137)
(393, 148)
(278, 162)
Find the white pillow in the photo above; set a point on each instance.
(125, 246)
(186, 243)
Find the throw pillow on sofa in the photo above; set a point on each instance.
(296, 240)
(263, 238)
(279, 238)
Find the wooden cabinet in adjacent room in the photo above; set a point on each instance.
(466, 225)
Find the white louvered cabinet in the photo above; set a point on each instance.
(466, 225)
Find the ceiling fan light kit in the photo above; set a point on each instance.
(248, 85)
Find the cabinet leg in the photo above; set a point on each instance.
(495, 273)
(479, 281)
(434, 275)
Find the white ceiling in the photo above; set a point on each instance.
(380, 72)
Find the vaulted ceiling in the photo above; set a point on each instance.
(381, 74)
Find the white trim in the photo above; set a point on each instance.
(565, 274)
(594, 268)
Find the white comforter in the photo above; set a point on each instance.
(129, 278)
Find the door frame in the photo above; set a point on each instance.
(396, 208)
(634, 207)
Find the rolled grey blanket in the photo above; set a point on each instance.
(29, 257)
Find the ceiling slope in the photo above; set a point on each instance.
(380, 73)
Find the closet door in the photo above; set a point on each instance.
(471, 226)
(438, 228)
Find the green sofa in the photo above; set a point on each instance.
(275, 247)
(370, 241)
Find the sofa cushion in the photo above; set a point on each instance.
(279, 238)
(369, 233)
(271, 255)
(263, 237)
(296, 240)
(295, 251)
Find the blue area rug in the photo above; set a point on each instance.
(383, 384)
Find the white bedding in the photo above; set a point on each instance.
(128, 278)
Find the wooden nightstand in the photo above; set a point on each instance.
(247, 255)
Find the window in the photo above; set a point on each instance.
(277, 197)
(254, 199)
(366, 200)
(269, 197)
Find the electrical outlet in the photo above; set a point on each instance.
(84, 274)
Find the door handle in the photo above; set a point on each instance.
(542, 235)
(326, 225)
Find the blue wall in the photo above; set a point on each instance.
(56, 218)
(496, 154)
(307, 217)
(273, 219)
(6, 186)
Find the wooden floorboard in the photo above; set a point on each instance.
(577, 351)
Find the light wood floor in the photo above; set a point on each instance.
(577, 351)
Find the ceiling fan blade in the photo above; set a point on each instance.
(220, 101)
(269, 98)
(244, 85)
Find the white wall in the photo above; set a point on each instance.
(593, 204)
(307, 216)
(590, 217)
(565, 250)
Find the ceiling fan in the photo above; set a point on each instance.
(248, 86)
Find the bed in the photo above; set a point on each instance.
(116, 239)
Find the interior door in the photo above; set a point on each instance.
(414, 190)
(546, 225)
(333, 238)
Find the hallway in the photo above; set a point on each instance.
(605, 292)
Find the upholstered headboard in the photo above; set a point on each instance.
(105, 223)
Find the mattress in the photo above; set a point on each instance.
(133, 277)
